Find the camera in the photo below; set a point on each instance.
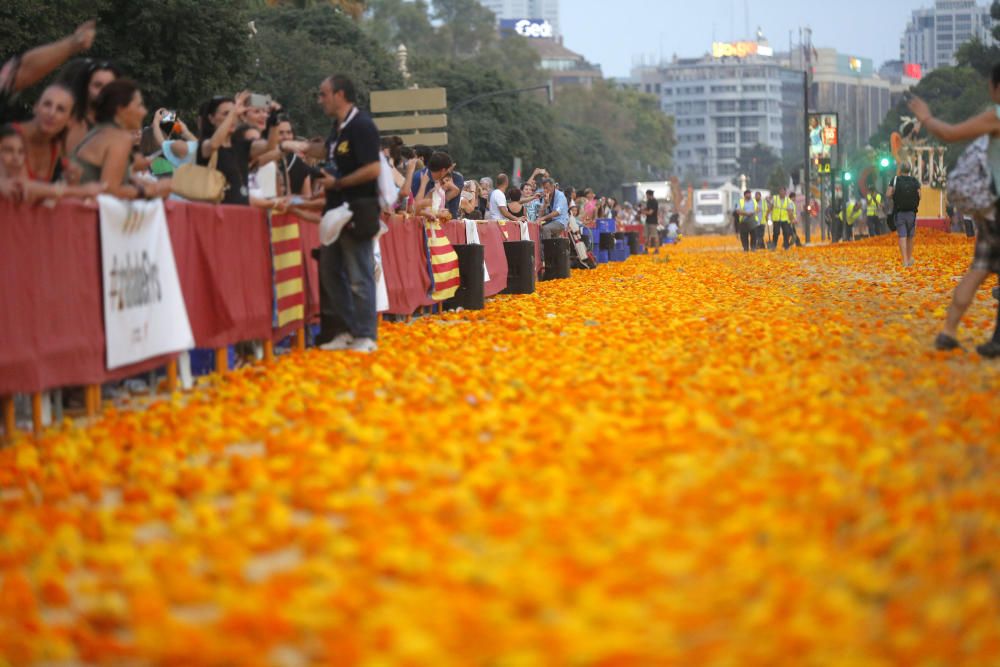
(168, 123)
(259, 101)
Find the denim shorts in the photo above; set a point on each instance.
(906, 224)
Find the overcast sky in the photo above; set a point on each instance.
(613, 33)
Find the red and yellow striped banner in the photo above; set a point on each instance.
(289, 285)
(443, 263)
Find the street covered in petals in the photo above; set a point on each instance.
(704, 457)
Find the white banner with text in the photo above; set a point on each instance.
(144, 311)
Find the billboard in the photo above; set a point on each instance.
(823, 134)
(913, 71)
(855, 66)
(740, 49)
(532, 28)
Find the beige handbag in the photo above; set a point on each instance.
(200, 183)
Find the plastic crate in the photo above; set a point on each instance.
(203, 360)
(619, 254)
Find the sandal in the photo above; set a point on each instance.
(990, 350)
(946, 343)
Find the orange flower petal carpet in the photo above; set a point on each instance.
(700, 458)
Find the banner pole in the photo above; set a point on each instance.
(172, 376)
(36, 412)
(221, 360)
(9, 422)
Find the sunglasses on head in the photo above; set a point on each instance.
(97, 65)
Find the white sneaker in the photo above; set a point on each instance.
(365, 345)
(340, 342)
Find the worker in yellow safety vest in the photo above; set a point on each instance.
(874, 201)
(853, 214)
(783, 215)
(761, 208)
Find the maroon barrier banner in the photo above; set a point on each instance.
(51, 318)
(52, 325)
(224, 262)
(309, 235)
(404, 260)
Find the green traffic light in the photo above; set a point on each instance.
(885, 162)
(847, 176)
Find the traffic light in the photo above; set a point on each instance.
(848, 177)
(884, 163)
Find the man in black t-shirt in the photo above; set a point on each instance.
(905, 196)
(651, 209)
(348, 317)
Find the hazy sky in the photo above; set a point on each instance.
(614, 33)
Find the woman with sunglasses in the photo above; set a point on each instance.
(86, 78)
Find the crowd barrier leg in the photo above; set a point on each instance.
(172, 376)
(36, 412)
(268, 352)
(9, 421)
(300, 338)
(92, 399)
(221, 360)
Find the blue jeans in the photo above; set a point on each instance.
(347, 289)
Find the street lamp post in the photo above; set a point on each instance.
(807, 190)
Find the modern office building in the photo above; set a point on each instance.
(849, 86)
(536, 10)
(933, 35)
(725, 103)
(901, 77)
(565, 67)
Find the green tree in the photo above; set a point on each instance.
(485, 136)
(177, 61)
(395, 22)
(758, 163)
(353, 8)
(778, 179)
(978, 56)
(331, 29)
(295, 49)
(466, 26)
(631, 123)
(953, 93)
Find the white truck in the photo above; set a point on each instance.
(712, 212)
(713, 208)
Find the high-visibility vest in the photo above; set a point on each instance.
(779, 209)
(874, 202)
(853, 212)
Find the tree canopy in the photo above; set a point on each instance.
(953, 93)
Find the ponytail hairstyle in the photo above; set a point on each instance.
(205, 127)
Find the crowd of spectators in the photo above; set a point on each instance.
(88, 134)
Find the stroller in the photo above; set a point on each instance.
(581, 257)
